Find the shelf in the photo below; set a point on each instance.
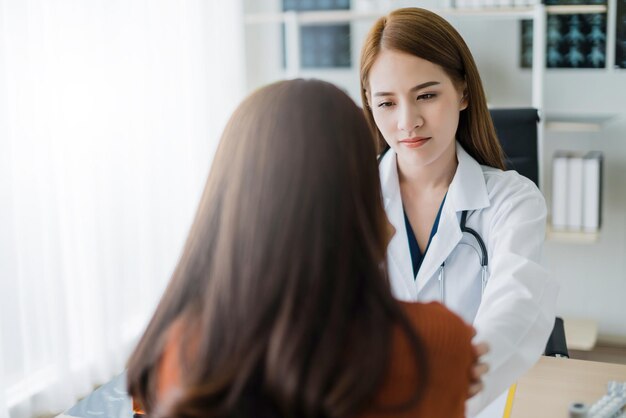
(522, 12)
(313, 17)
(575, 9)
(345, 16)
(573, 237)
(576, 123)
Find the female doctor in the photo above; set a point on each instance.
(467, 233)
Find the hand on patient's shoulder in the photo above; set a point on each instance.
(479, 368)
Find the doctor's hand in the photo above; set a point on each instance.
(478, 369)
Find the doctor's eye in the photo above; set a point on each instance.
(426, 96)
(385, 104)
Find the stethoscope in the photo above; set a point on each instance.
(484, 259)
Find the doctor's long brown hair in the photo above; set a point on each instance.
(426, 35)
(281, 283)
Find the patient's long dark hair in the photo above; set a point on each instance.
(281, 281)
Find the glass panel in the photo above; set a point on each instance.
(321, 46)
(572, 41)
(307, 5)
(325, 46)
(620, 35)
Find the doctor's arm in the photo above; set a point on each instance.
(517, 311)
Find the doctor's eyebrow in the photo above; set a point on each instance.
(413, 89)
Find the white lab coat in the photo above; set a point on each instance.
(517, 311)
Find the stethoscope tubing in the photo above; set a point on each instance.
(484, 260)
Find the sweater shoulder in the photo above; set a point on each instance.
(446, 343)
(436, 324)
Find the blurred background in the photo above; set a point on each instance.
(111, 110)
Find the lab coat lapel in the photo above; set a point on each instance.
(467, 191)
(398, 253)
(445, 240)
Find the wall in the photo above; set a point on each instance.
(592, 276)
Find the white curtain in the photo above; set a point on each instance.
(110, 111)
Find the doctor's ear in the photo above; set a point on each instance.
(464, 102)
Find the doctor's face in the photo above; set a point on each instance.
(416, 107)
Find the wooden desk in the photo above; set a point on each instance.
(549, 388)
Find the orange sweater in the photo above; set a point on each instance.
(447, 341)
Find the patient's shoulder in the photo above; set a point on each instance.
(169, 370)
(441, 330)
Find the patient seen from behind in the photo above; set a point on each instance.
(280, 304)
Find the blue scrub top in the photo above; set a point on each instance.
(416, 255)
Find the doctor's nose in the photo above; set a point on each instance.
(409, 119)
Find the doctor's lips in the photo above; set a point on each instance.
(414, 142)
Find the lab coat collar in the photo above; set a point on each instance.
(398, 250)
(389, 181)
(467, 191)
